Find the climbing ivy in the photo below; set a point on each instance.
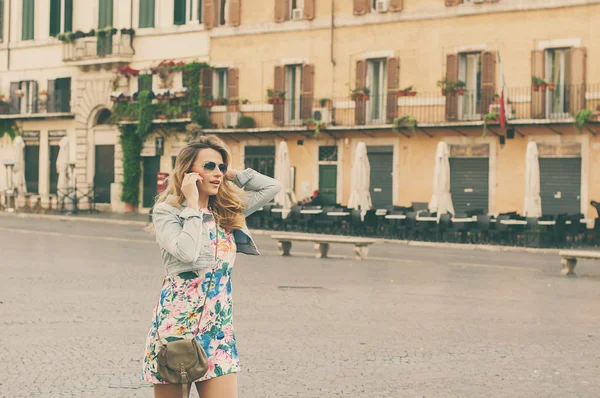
(132, 141)
(9, 127)
(132, 136)
(191, 80)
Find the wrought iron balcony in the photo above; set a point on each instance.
(98, 52)
(525, 105)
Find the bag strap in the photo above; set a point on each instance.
(205, 297)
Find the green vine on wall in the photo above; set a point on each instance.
(191, 80)
(9, 127)
(133, 136)
(132, 141)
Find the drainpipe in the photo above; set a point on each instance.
(8, 36)
(131, 25)
(332, 58)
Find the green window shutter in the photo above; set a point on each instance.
(147, 8)
(200, 10)
(1, 20)
(54, 17)
(63, 88)
(68, 15)
(105, 14)
(27, 31)
(179, 12)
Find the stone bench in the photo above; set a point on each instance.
(568, 259)
(361, 246)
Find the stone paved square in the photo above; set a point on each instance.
(76, 301)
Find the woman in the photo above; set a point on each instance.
(199, 221)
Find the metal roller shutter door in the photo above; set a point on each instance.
(469, 184)
(381, 160)
(560, 185)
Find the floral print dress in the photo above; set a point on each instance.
(180, 306)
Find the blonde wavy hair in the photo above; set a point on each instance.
(227, 205)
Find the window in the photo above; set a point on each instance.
(328, 153)
(187, 11)
(104, 117)
(59, 95)
(105, 19)
(376, 83)
(147, 10)
(261, 159)
(28, 20)
(1, 20)
(28, 93)
(469, 72)
(144, 82)
(293, 80)
(61, 16)
(220, 83)
(222, 11)
(557, 72)
(105, 13)
(295, 5)
(62, 95)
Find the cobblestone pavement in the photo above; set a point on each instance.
(76, 302)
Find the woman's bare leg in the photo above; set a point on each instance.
(169, 390)
(219, 387)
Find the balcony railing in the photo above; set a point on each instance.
(429, 109)
(37, 108)
(523, 105)
(97, 50)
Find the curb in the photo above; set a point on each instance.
(74, 218)
(438, 245)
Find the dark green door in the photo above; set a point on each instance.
(328, 184)
(54, 149)
(105, 20)
(151, 167)
(32, 168)
(469, 184)
(104, 174)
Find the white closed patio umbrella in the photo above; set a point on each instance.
(283, 173)
(532, 206)
(360, 183)
(62, 165)
(441, 200)
(18, 179)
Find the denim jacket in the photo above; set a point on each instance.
(185, 244)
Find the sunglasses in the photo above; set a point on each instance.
(210, 166)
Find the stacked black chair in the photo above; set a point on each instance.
(501, 232)
(480, 231)
(443, 226)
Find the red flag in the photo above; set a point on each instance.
(502, 110)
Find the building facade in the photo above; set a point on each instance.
(400, 75)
